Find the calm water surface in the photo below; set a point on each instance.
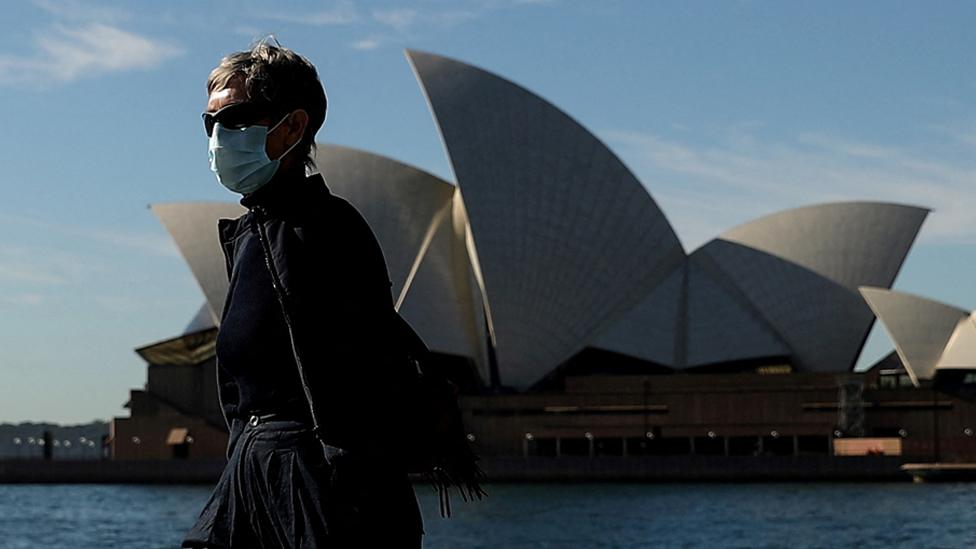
(547, 515)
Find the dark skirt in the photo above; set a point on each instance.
(278, 490)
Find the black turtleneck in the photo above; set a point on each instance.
(281, 190)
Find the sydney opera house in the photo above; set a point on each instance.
(935, 341)
(554, 291)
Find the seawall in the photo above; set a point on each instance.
(514, 469)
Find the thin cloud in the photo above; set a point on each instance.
(343, 13)
(454, 17)
(122, 303)
(65, 53)
(706, 189)
(965, 136)
(151, 244)
(19, 270)
(148, 243)
(75, 10)
(23, 299)
(400, 19)
(365, 44)
(398, 22)
(405, 20)
(39, 266)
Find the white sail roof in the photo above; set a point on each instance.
(922, 331)
(568, 239)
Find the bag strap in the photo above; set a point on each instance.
(317, 428)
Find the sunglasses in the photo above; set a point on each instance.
(236, 116)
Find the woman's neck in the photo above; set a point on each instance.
(282, 185)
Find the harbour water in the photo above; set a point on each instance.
(547, 516)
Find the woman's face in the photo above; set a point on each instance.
(281, 139)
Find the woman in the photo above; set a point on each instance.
(303, 360)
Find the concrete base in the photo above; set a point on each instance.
(514, 469)
(941, 472)
(696, 469)
(16, 471)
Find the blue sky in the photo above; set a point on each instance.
(725, 110)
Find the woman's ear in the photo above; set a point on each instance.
(287, 136)
(296, 125)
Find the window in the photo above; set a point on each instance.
(813, 444)
(710, 446)
(543, 447)
(574, 447)
(743, 446)
(608, 446)
(778, 446)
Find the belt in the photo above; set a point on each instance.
(330, 451)
(256, 419)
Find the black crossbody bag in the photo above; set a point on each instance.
(433, 439)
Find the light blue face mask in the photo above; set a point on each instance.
(238, 157)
